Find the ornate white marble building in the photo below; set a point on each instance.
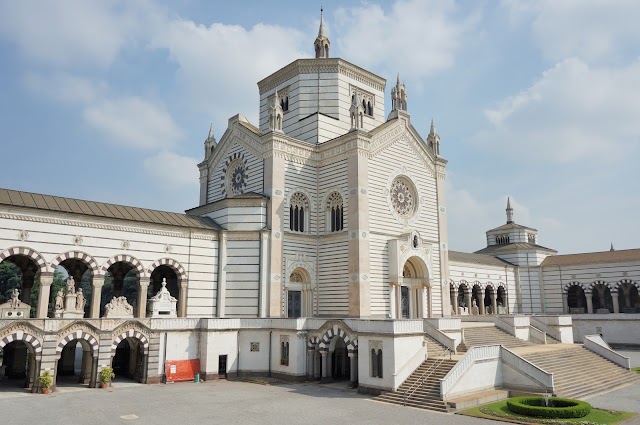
(315, 237)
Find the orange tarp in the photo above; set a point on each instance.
(181, 370)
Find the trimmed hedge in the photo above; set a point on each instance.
(558, 407)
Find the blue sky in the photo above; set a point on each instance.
(537, 100)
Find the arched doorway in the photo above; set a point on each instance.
(17, 366)
(489, 296)
(501, 300)
(576, 300)
(602, 299)
(20, 272)
(340, 368)
(628, 297)
(121, 280)
(299, 296)
(129, 361)
(413, 294)
(76, 364)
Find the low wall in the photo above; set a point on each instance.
(614, 328)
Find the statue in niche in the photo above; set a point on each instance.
(15, 300)
(474, 303)
(80, 300)
(71, 285)
(163, 293)
(60, 300)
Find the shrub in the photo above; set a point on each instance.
(106, 375)
(558, 407)
(45, 380)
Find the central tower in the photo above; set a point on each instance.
(316, 95)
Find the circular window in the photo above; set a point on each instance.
(237, 178)
(403, 197)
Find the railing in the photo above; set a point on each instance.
(480, 352)
(531, 370)
(536, 335)
(599, 346)
(440, 336)
(425, 375)
(553, 333)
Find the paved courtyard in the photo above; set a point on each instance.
(225, 402)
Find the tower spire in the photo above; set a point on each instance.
(509, 211)
(322, 43)
(612, 248)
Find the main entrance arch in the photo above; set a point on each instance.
(412, 294)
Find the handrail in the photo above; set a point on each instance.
(539, 335)
(440, 336)
(553, 333)
(530, 369)
(477, 352)
(599, 346)
(422, 377)
(403, 373)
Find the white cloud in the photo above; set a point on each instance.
(414, 37)
(133, 122)
(218, 64)
(573, 112)
(75, 32)
(589, 29)
(172, 171)
(66, 88)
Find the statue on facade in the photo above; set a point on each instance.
(71, 285)
(474, 303)
(118, 307)
(15, 300)
(60, 300)
(163, 294)
(80, 300)
(162, 303)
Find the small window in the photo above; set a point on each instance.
(298, 205)
(284, 350)
(415, 241)
(335, 213)
(532, 238)
(376, 359)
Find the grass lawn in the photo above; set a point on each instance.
(636, 369)
(500, 411)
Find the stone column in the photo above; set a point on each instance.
(222, 274)
(46, 279)
(481, 309)
(325, 365)
(565, 303)
(494, 302)
(423, 294)
(589, 297)
(454, 302)
(143, 288)
(398, 302)
(182, 300)
(310, 366)
(93, 378)
(392, 301)
(97, 282)
(412, 303)
(627, 296)
(274, 166)
(264, 266)
(353, 367)
(85, 369)
(616, 301)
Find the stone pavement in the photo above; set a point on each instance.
(222, 402)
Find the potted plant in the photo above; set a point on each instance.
(106, 375)
(45, 382)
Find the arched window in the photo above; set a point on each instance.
(335, 213)
(286, 104)
(298, 211)
(375, 359)
(369, 109)
(531, 238)
(502, 239)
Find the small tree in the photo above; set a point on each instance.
(45, 380)
(106, 375)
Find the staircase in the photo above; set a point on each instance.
(489, 335)
(434, 348)
(578, 372)
(427, 393)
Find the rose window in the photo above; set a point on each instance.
(403, 198)
(237, 178)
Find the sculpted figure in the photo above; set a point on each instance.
(80, 300)
(60, 300)
(474, 304)
(71, 285)
(15, 301)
